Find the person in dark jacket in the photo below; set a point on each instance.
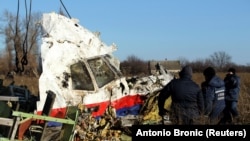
(232, 83)
(213, 89)
(187, 101)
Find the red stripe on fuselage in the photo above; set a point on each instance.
(124, 102)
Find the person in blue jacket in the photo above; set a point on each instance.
(232, 83)
(187, 101)
(213, 89)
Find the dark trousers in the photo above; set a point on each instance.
(230, 112)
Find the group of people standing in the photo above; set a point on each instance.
(213, 102)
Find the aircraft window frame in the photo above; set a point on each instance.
(102, 71)
(81, 78)
(117, 72)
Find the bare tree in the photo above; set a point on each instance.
(197, 65)
(208, 62)
(220, 59)
(134, 66)
(21, 38)
(184, 61)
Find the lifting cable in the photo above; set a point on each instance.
(65, 9)
(24, 60)
(15, 39)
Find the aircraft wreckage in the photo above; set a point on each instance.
(79, 70)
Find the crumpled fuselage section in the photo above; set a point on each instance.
(80, 69)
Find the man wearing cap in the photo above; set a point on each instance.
(232, 83)
(187, 100)
(213, 89)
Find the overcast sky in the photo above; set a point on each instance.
(160, 29)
